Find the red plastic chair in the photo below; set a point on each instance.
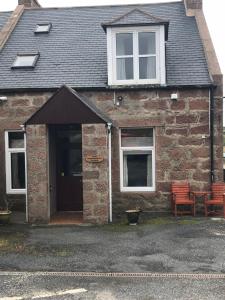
(181, 196)
(217, 199)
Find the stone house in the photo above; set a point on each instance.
(101, 108)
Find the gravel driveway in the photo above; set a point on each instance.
(165, 245)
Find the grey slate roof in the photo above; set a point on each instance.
(135, 16)
(4, 18)
(75, 52)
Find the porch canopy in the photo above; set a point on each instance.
(66, 106)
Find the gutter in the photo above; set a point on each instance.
(104, 88)
(109, 127)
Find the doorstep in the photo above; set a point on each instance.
(67, 218)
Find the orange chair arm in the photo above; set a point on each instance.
(224, 198)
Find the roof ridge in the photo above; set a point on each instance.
(6, 11)
(109, 5)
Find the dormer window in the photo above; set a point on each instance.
(25, 61)
(136, 49)
(136, 55)
(43, 28)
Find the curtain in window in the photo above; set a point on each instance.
(149, 170)
(121, 69)
(125, 171)
(151, 67)
(15, 171)
(124, 47)
(147, 67)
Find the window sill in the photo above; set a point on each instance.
(135, 83)
(16, 192)
(123, 190)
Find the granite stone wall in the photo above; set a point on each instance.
(13, 113)
(95, 174)
(182, 146)
(37, 173)
(182, 141)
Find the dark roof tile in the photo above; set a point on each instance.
(135, 16)
(75, 51)
(4, 16)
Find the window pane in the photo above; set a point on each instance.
(69, 148)
(147, 67)
(24, 61)
(41, 28)
(124, 67)
(124, 44)
(147, 43)
(138, 170)
(18, 170)
(16, 140)
(137, 137)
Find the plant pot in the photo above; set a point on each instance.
(5, 216)
(133, 216)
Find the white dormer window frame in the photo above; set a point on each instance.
(160, 78)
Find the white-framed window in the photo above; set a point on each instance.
(137, 159)
(136, 55)
(15, 158)
(25, 61)
(43, 28)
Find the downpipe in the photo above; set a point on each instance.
(212, 175)
(109, 128)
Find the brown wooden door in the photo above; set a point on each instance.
(69, 168)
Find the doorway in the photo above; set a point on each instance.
(66, 182)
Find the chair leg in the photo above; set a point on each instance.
(206, 210)
(224, 211)
(193, 209)
(175, 210)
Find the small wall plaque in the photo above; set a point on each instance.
(94, 158)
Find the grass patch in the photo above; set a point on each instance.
(43, 250)
(189, 221)
(15, 242)
(156, 221)
(118, 227)
(159, 221)
(12, 241)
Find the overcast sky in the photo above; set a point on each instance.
(214, 11)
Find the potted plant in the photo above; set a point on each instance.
(5, 212)
(133, 215)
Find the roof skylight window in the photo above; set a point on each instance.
(25, 61)
(43, 28)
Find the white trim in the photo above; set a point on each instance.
(48, 172)
(110, 169)
(137, 149)
(109, 56)
(26, 183)
(162, 59)
(160, 55)
(8, 152)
